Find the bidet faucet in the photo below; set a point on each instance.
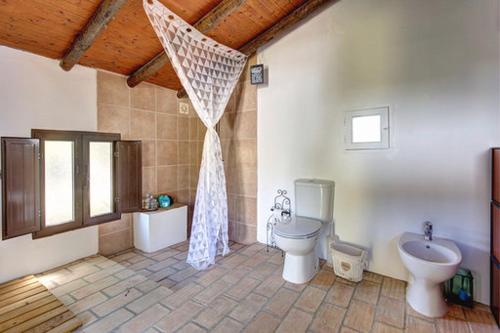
(427, 230)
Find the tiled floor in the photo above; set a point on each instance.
(159, 292)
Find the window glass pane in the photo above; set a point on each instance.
(366, 129)
(101, 178)
(59, 166)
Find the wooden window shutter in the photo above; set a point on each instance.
(129, 175)
(20, 186)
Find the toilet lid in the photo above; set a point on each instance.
(298, 227)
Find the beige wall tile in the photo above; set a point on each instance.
(246, 125)
(114, 119)
(202, 130)
(143, 97)
(183, 196)
(148, 153)
(184, 153)
(166, 100)
(183, 177)
(245, 234)
(248, 98)
(148, 180)
(112, 89)
(227, 126)
(167, 179)
(166, 153)
(244, 153)
(193, 176)
(124, 223)
(166, 126)
(193, 129)
(183, 128)
(115, 242)
(246, 210)
(143, 124)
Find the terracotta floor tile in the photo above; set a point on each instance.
(417, 325)
(324, 279)
(281, 302)
(296, 321)
(451, 325)
(328, 319)
(340, 294)
(480, 321)
(360, 316)
(391, 311)
(383, 328)
(393, 288)
(263, 323)
(243, 291)
(367, 291)
(228, 325)
(310, 299)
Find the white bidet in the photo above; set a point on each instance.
(430, 263)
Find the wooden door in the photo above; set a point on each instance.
(495, 230)
(20, 186)
(129, 175)
(495, 181)
(495, 289)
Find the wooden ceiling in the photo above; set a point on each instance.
(48, 28)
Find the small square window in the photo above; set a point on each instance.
(367, 129)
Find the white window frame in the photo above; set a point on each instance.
(383, 112)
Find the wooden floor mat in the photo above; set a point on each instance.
(27, 306)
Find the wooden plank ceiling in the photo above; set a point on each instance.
(48, 28)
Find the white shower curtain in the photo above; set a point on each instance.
(208, 72)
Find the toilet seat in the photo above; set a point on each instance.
(298, 228)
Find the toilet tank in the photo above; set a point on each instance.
(314, 199)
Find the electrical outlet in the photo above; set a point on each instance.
(183, 108)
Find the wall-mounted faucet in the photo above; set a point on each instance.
(427, 230)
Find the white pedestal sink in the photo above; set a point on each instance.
(430, 263)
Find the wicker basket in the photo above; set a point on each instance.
(349, 262)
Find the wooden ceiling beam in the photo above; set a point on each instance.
(205, 24)
(84, 40)
(297, 15)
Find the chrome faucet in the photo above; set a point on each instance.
(427, 230)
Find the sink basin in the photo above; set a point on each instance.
(430, 251)
(430, 263)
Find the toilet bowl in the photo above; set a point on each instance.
(303, 236)
(297, 237)
(430, 263)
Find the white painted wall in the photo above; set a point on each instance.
(436, 64)
(36, 93)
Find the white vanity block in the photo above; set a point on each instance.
(159, 229)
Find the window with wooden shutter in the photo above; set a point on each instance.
(100, 203)
(129, 175)
(20, 186)
(65, 180)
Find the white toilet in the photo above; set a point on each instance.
(304, 236)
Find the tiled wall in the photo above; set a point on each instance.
(148, 113)
(238, 132)
(172, 147)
